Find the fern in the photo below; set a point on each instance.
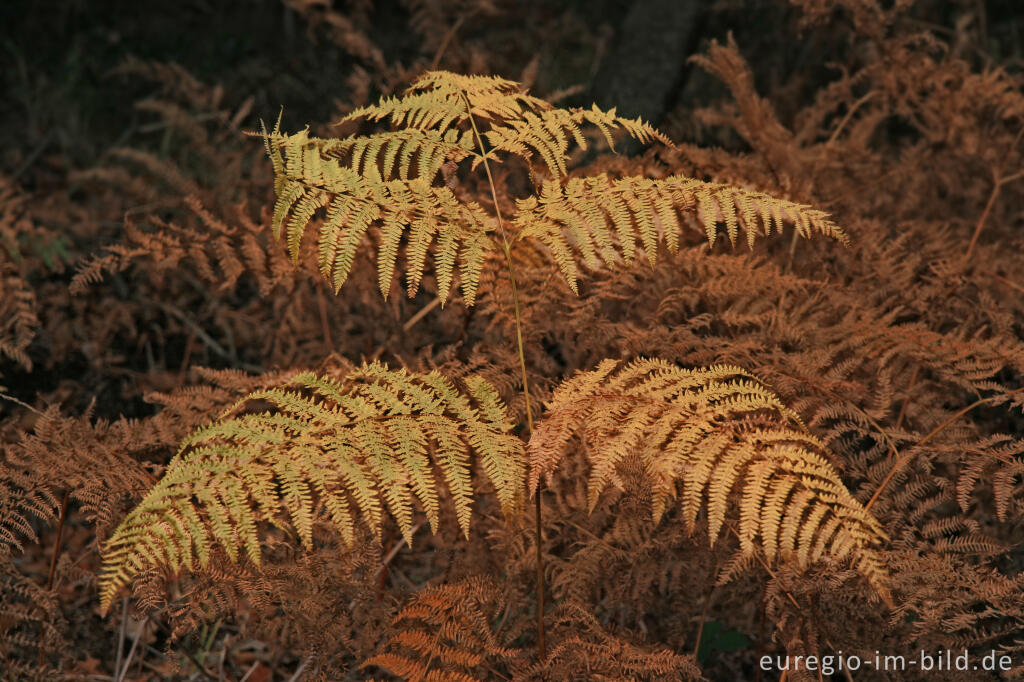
(602, 218)
(722, 435)
(383, 184)
(445, 634)
(372, 443)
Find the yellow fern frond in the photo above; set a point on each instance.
(603, 219)
(376, 442)
(357, 203)
(434, 102)
(384, 184)
(548, 134)
(717, 438)
(519, 123)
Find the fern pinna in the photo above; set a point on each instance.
(385, 184)
(371, 443)
(709, 435)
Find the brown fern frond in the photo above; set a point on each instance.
(31, 624)
(588, 646)
(22, 502)
(376, 442)
(18, 311)
(103, 476)
(716, 437)
(19, 319)
(445, 633)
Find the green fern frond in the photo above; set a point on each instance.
(715, 437)
(374, 443)
(602, 219)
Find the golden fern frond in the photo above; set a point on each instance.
(721, 437)
(601, 218)
(383, 184)
(355, 202)
(445, 634)
(548, 134)
(434, 101)
(406, 154)
(520, 124)
(377, 441)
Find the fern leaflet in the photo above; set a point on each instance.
(373, 443)
(716, 436)
(603, 218)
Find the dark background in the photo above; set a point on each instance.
(56, 57)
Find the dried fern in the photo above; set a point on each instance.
(376, 441)
(384, 184)
(602, 218)
(445, 634)
(715, 436)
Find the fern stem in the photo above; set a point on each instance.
(507, 250)
(53, 565)
(998, 183)
(931, 434)
(703, 617)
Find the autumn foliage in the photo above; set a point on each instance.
(478, 379)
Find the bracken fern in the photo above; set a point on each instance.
(376, 441)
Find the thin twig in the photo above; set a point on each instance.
(507, 250)
(204, 337)
(445, 41)
(409, 324)
(1012, 285)
(131, 652)
(53, 564)
(250, 671)
(11, 398)
(931, 434)
(849, 114)
(322, 305)
(703, 617)
(999, 181)
(395, 550)
(120, 635)
(298, 671)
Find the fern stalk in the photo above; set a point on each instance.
(507, 251)
(53, 564)
(931, 434)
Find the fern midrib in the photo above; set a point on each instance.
(517, 314)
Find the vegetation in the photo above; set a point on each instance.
(592, 440)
